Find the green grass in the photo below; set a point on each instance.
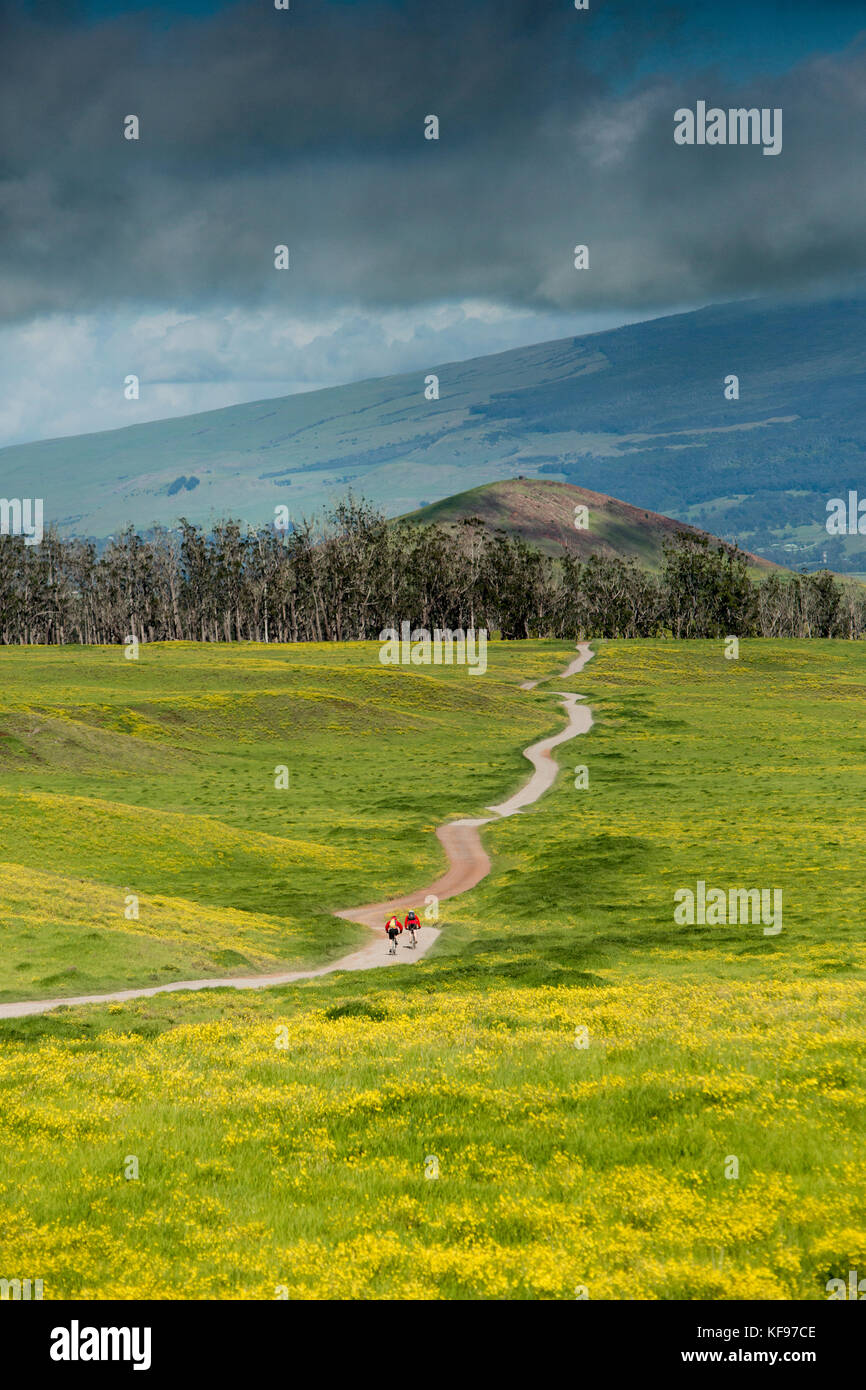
(283, 1137)
(156, 779)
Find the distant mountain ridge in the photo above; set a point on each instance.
(637, 412)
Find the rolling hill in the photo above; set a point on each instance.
(637, 412)
(542, 512)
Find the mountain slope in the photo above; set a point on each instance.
(637, 412)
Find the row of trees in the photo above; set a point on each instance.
(354, 573)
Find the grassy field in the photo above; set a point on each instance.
(554, 1102)
(155, 778)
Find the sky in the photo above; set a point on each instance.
(261, 127)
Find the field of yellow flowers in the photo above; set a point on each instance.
(571, 1097)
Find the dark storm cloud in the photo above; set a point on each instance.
(260, 127)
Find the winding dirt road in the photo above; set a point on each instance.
(468, 863)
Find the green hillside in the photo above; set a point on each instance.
(542, 512)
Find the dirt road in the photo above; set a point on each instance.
(468, 863)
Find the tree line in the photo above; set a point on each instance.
(352, 573)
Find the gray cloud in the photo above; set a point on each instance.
(260, 127)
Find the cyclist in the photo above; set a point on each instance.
(393, 927)
(413, 924)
